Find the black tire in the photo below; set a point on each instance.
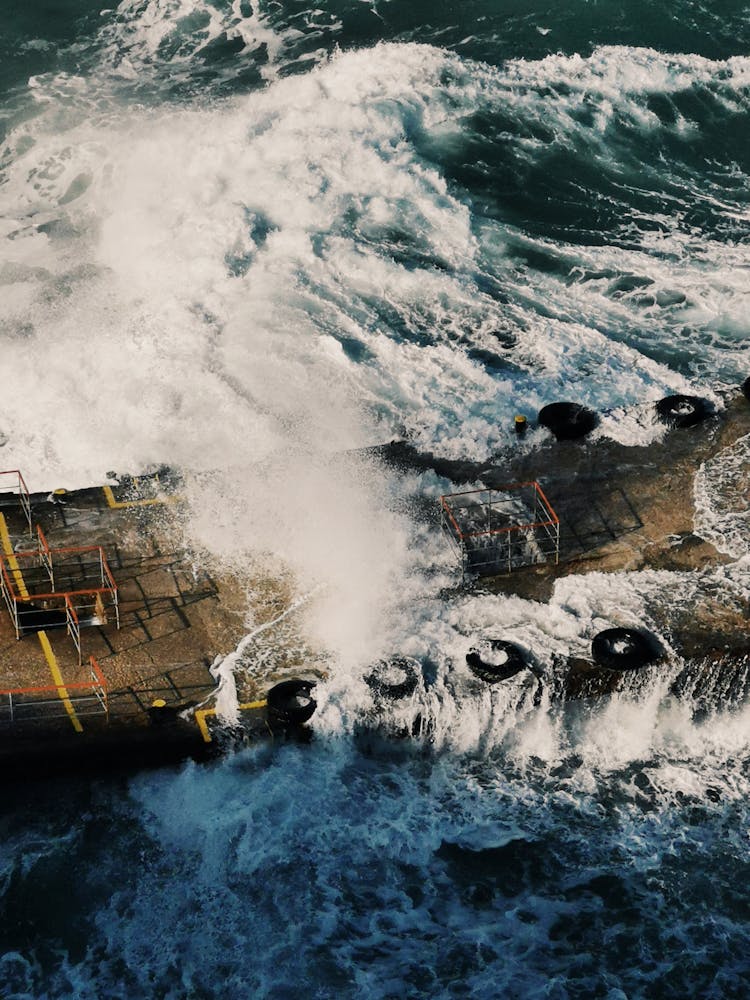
(624, 649)
(683, 411)
(290, 703)
(395, 678)
(495, 660)
(746, 388)
(568, 421)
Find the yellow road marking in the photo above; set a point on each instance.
(57, 678)
(200, 716)
(11, 556)
(43, 640)
(116, 504)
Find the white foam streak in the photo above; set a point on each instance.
(144, 35)
(722, 499)
(619, 73)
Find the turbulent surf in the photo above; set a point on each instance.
(251, 240)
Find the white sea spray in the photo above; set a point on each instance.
(249, 286)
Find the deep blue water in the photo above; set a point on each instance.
(231, 232)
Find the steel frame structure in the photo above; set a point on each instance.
(495, 531)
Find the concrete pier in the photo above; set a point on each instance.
(106, 652)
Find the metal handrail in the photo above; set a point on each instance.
(73, 625)
(18, 591)
(24, 496)
(97, 689)
(45, 554)
(99, 684)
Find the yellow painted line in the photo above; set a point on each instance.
(43, 640)
(118, 504)
(200, 716)
(59, 683)
(11, 557)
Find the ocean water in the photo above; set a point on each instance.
(248, 239)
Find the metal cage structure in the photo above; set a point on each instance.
(496, 531)
(47, 588)
(69, 588)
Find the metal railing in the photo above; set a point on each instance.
(495, 531)
(73, 626)
(31, 704)
(82, 582)
(45, 555)
(12, 484)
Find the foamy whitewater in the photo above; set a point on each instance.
(251, 239)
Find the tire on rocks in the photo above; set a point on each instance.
(624, 649)
(290, 703)
(568, 421)
(494, 660)
(394, 678)
(683, 411)
(746, 388)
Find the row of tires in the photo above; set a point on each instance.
(497, 660)
(569, 421)
(291, 703)
(614, 648)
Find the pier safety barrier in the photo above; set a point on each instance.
(494, 531)
(30, 704)
(44, 588)
(68, 587)
(13, 491)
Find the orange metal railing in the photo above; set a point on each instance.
(28, 704)
(58, 582)
(12, 483)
